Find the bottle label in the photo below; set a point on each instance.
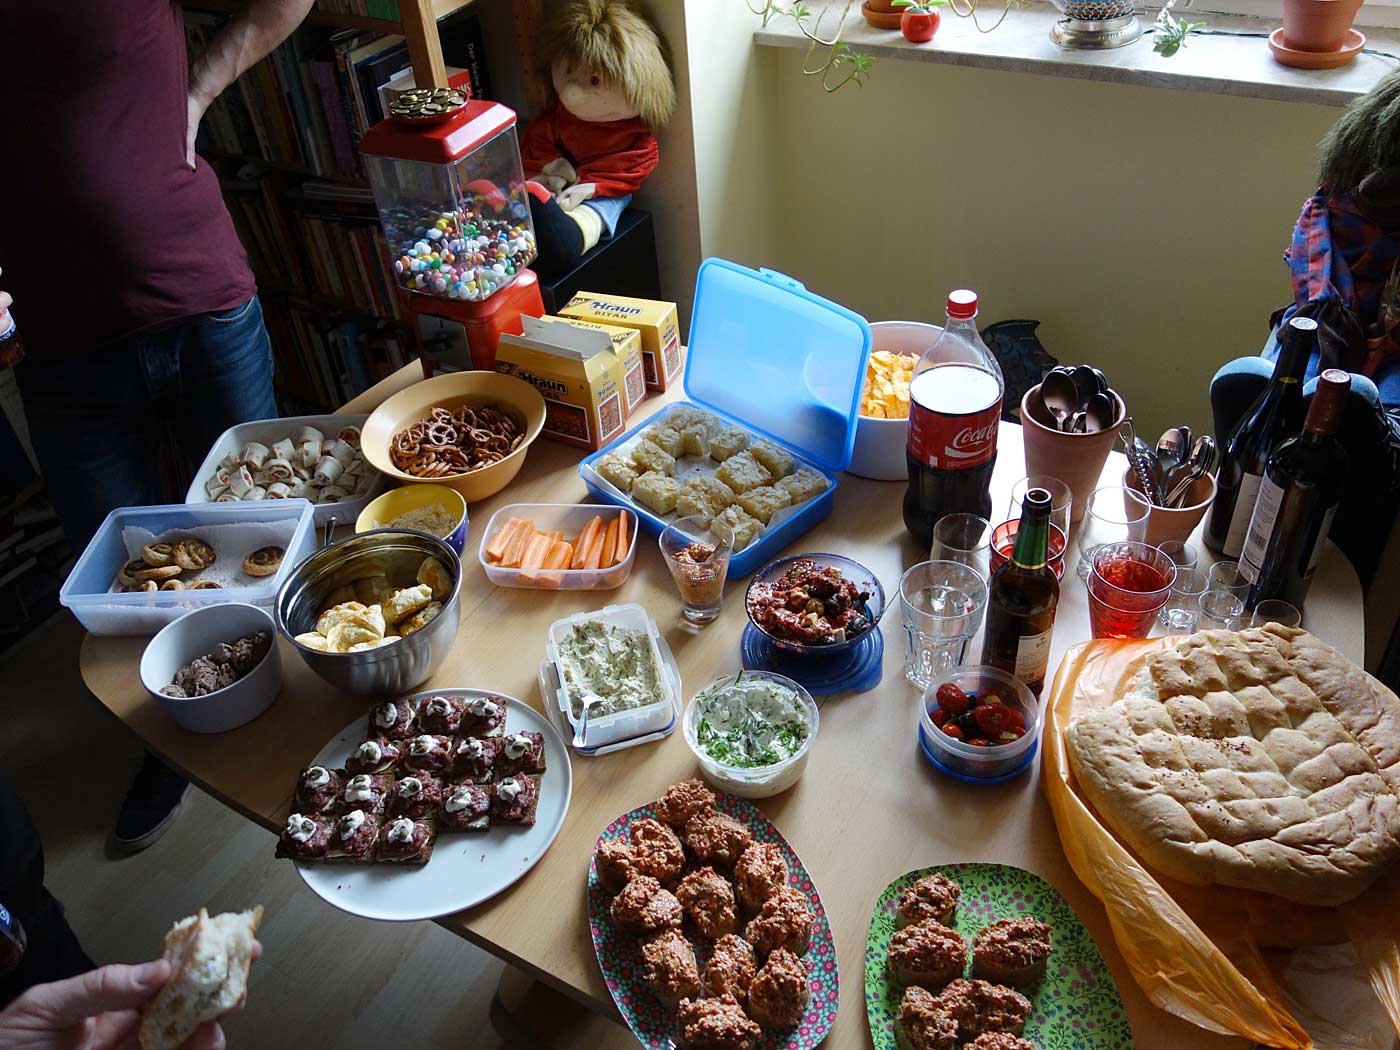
(954, 413)
(1261, 527)
(1032, 656)
(1239, 520)
(1322, 532)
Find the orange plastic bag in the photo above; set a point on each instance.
(1227, 960)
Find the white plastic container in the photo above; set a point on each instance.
(760, 781)
(623, 725)
(881, 444)
(267, 431)
(972, 763)
(86, 591)
(570, 518)
(196, 634)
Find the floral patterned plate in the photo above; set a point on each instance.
(1077, 1006)
(620, 957)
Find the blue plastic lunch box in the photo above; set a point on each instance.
(779, 361)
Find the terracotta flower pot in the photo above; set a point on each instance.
(1076, 459)
(882, 14)
(1317, 25)
(1176, 523)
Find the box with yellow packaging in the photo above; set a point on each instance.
(627, 345)
(655, 321)
(578, 374)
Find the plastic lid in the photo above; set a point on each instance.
(787, 363)
(468, 129)
(962, 304)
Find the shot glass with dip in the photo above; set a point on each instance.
(697, 552)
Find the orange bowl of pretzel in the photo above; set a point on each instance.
(469, 430)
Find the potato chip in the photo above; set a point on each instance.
(886, 391)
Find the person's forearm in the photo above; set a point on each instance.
(246, 38)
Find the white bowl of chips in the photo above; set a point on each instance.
(882, 433)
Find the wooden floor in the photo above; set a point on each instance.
(325, 979)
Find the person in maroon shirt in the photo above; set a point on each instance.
(139, 315)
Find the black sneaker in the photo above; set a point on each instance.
(156, 796)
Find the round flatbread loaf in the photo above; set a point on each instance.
(1262, 759)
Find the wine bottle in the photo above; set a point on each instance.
(1274, 416)
(1022, 599)
(1297, 500)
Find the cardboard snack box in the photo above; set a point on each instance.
(627, 345)
(654, 321)
(578, 374)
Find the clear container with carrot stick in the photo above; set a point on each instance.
(559, 546)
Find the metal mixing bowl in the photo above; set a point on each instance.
(391, 670)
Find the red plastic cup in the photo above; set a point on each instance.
(1004, 542)
(1128, 585)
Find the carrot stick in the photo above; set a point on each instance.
(496, 548)
(593, 559)
(516, 549)
(624, 538)
(536, 551)
(560, 555)
(585, 537)
(609, 555)
(557, 534)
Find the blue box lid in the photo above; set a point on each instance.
(787, 363)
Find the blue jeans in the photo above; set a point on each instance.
(97, 417)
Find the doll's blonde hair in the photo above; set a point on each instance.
(617, 39)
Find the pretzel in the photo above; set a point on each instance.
(449, 443)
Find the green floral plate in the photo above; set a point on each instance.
(1076, 1007)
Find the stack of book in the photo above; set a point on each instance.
(326, 357)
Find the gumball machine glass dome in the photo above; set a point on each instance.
(452, 200)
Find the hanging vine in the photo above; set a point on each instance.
(830, 59)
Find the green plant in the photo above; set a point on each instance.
(1171, 32)
(829, 58)
(916, 7)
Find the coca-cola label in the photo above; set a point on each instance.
(954, 412)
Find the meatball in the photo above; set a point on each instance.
(731, 968)
(614, 863)
(927, 954)
(981, 1007)
(656, 851)
(1012, 951)
(644, 907)
(760, 872)
(717, 839)
(1000, 1041)
(716, 1024)
(782, 922)
(683, 801)
(708, 900)
(932, 897)
(669, 968)
(779, 993)
(922, 1025)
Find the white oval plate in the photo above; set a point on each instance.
(467, 867)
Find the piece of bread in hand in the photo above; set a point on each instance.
(209, 960)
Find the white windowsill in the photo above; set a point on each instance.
(1210, 62)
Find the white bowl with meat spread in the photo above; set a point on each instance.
(752, 732)
(206, 671)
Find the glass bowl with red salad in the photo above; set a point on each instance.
(814, 604)
(979, 723)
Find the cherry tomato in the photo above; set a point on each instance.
(938, 715)
(953, 731)
(1015, 721)
(951, 699)
(992, 718)
(977, 741)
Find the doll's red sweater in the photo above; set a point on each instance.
(616, 156)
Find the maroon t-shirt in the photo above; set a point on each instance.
(104, 232)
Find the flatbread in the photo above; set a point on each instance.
(1262, 759)
(209, 960)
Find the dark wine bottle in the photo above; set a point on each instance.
(1275, 415)
(1022, 599)
(1302, 486)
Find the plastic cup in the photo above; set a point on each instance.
(1182, 554)
(1182, 612)
(1113, 514)
(1221, 608)
(941, 605)
(965, 538)
(1275, 610)
(1226, 576)
(700, 580)
(1128, 585)
(1061, 499)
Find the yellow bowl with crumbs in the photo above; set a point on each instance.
(438, 509)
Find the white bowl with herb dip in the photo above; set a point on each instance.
(751, 732)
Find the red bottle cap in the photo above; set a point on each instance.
(962, 304)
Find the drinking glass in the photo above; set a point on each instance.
(1183, 609)
(700, 581)
(1113, 514)
(1061, 499)
(1182, 554)
(941, 605)
(1221, 608)
(1275, 610)
(1226, 576)
(1129, 584)
(964, 538)
(1004, 542)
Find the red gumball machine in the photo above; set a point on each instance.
(451, 195)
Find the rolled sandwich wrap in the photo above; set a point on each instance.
(279, 490)
(310, 434)
(255, 454)
(343, 452)
(278, 470)
(328, 470)
(240, 482)
(283, 449)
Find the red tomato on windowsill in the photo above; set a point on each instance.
(917, 28)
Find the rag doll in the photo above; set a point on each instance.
(592, 147)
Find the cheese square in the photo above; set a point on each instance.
(652, 457)
(774, 459)
(667, 438)
(764, 501)
(683, 416)
(743, 472)
(695, 440)
(802, 486)
(728, 442)
(657, 491)
(744, 525)
(617, 469)
(706, 496)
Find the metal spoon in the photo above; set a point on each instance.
(1202, 459)
(1061, 398)
(1098, 415)
(587, 701)
(1171, 448)
(1086, 383)
(1099, 379)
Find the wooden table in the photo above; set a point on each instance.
(868, 809)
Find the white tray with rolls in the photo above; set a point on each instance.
(267, 432)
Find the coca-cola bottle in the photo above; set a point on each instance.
(954, 409)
